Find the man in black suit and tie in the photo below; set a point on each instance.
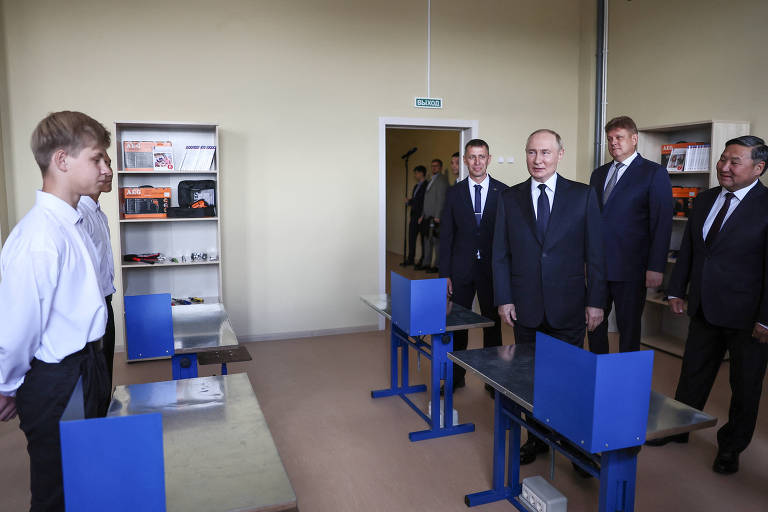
(466, 242)
(635, 198)
(723, 263)
(548, 268)
(416, 202)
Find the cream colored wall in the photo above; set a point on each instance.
(298, 88)
(431, 144)
(675, 62)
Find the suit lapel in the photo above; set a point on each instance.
(602, 175)
(742, 210)
(466, 197)
(626, 178)
(490, 201)
(700, 214)
(525, 203)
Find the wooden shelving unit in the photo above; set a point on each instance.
(173, 237)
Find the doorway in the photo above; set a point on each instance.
(396, 137)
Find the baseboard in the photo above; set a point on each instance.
(306, 334)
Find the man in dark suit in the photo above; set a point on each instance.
(466, 237)
(548, 268)
(723, 262)
(635, 198)
(416, 202)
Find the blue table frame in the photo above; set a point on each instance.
(436, 349)
(509, 369)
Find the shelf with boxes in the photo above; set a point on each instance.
(169, 221)
(690, 152)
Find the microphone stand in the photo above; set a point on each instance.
(405, 219)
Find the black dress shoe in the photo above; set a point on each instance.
(419, 266)
(532, 447)
(432, 270)
(490, 390)
(726, 463)
(457, 383)
(678, 438)
(406, 263)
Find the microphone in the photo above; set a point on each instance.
(410, 152)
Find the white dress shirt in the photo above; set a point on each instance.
(627, 162)
(738, 197)
(52, 303)
(551, 184)
(97, 227)
(483, 191)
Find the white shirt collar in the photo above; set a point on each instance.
(551, 183)
(88, 203)
(628, 161)
(739, 193)
(58, 206)
(485, 183)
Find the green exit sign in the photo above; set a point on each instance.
(428, 103)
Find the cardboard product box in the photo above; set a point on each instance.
(144, 202)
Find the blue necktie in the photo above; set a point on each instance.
(542, 212)
(478, 204)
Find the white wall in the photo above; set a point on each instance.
(298, 88)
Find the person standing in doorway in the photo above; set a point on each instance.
(434, 198)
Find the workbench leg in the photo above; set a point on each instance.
(442, 369)
(499, 491)
(617, 480)
(394, 387)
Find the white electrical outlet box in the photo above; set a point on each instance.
(539, 496)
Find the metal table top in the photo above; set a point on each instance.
(219, 453)
(201, 327)
(509, 369)
(457, 317)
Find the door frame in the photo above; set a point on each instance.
(468, 130)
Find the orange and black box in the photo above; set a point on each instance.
(144, 202)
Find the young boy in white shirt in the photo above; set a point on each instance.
(53, 315)
(97, 227)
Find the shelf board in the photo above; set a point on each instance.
(128, 221)
(668, 344)
(677, 173)
(679, 218)
(180, 171)
(138, 264)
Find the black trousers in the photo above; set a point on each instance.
(40, 402)
(464, 295)
(704, 351)
(573, 335)
(629, 297)
(413, 232)
(109, 344)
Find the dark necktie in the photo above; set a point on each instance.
(612, 181)
(542, 211)
(718, 223)
(478, 204)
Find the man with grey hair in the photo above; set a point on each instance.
(548, 268)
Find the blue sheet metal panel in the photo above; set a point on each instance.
(419, 306)
(623, 383)
(113, 464)
(564, 388)
(148, 326)
(600, 402)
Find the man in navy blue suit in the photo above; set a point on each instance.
(466, 237)
(635, 198)
(416, 202)
(548, 268)
(723, 264)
